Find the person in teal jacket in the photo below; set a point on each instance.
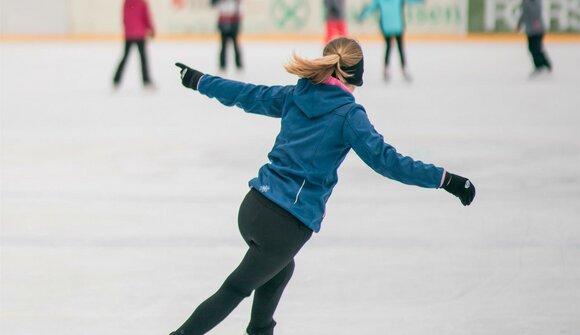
(320, 123)
(392, 23)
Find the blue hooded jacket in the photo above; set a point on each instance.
(319, 125)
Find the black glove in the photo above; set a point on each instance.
(189, 77)
(459, 187)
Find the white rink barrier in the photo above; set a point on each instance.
(300, 17)
(274, 17)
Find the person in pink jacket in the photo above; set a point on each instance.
(138, 26)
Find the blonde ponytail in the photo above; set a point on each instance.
(317, 70)
(338, 54)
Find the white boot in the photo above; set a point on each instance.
(536, 73)
(386, 75)
(408, 78)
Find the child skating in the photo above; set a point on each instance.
(392, 24)
(320, 124)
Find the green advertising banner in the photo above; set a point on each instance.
(447, 17)
(437, 16)
(503, 15)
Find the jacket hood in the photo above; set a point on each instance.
(319, 99)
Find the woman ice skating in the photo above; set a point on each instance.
(230, 17)
(137, 25)
(320, 123)
(531, 18)
(392, 23)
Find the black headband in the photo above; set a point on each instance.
(356, 72)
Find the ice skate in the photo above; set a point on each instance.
(406, 76)
(386, 75)
(149, 87)
(537, 73)
(268, 330)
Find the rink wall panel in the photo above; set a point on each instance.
(100, 17)
(34, 17)
(274, 17)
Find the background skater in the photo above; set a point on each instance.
(392, 24)
(531, 18)
(335, 21)
(229, 20)
(137, 26)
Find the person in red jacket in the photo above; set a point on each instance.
(138, 26)
(335, 19)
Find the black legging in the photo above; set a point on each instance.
(144, 68)
(399, 39)
(274, 237)
(536, 48)
(226, 35)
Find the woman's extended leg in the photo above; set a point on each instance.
(274, 237)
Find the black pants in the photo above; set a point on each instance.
(144, 68)
(399, 39)
(274, 237)
(536, 47)
(230, 34)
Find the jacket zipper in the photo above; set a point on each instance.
(300, 190)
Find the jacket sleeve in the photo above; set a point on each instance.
(521, 19)
(256, 99)
(369, 145)
(147, 18)
(369, 9)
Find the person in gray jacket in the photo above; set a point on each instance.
(531, 18)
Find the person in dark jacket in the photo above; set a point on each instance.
(320, 124)
(335, 21)
(531, 18)
(137, 26)
(229, 20)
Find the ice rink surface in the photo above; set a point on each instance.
(118, 209)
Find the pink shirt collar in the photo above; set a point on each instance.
(333, 81)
